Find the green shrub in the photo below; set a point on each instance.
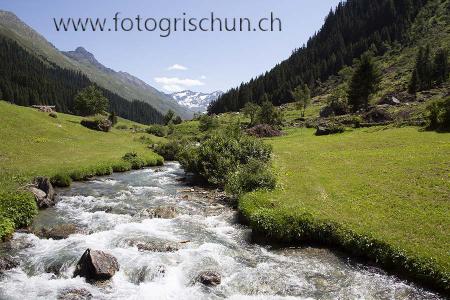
(171, 149)
(98, 122)
(19, 207)
(158, 130)
(269, 114)
(439, 115)
(208, 123)
(121, 166)
(135, 161)
(219, 156)
(6, 228)
(61, 180)
(102, 170)
(250, 177)
(81, 174)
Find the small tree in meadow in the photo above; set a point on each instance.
(251, 111)
(90, 101)
(302, 97)
(268, 114)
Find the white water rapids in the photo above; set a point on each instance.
(209, 237)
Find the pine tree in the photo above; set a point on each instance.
(441, 67)
(413, 86)
(364, 82)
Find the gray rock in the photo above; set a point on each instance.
(7, 263)
(163, 212)
(157, 247)
(209, 278)
(75, 294)
(58, 232)
(43, 192)
(96, 265)
(327, 130)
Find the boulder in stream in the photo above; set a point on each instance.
(43, 192)
(7, 263)
(75, 294)
(59, 232)
(96, 265)
(162, 212)
(157, 247)
(209, 278)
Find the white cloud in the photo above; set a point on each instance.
(175, 84)
(203, 77)
(177, 67)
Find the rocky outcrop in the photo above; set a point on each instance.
(96, 265)
(7, 263)
(209, 278)
(43, 192)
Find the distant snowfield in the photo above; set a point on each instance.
(195, 101)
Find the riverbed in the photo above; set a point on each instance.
(204, 235)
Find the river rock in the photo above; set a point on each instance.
(157, 247)
(209, 278)
(59, 232)
(75, 294)
(43, 192)
(96, 265)
(163, 212)
(7, 263)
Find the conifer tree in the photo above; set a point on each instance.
(364, 82)
(441, 66)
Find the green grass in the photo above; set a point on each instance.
(34, 144)
(390, 186)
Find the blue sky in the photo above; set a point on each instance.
(200, 61)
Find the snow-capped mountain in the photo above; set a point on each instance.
(195, 101)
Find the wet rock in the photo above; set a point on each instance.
(157, 247)
(159, 170)
(147, 273)
(96, 265)
(209, 278)
(7, 263)
(43, 192)
(163, 212)
(59, 232)
(75, 294)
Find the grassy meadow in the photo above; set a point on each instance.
(389, 184)
(35, 144)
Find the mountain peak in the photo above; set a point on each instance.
(81, 54)
(195, 101)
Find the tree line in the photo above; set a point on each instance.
(352, 29)
(28, 80)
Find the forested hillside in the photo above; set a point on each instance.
(350, 30)
(26, 80)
